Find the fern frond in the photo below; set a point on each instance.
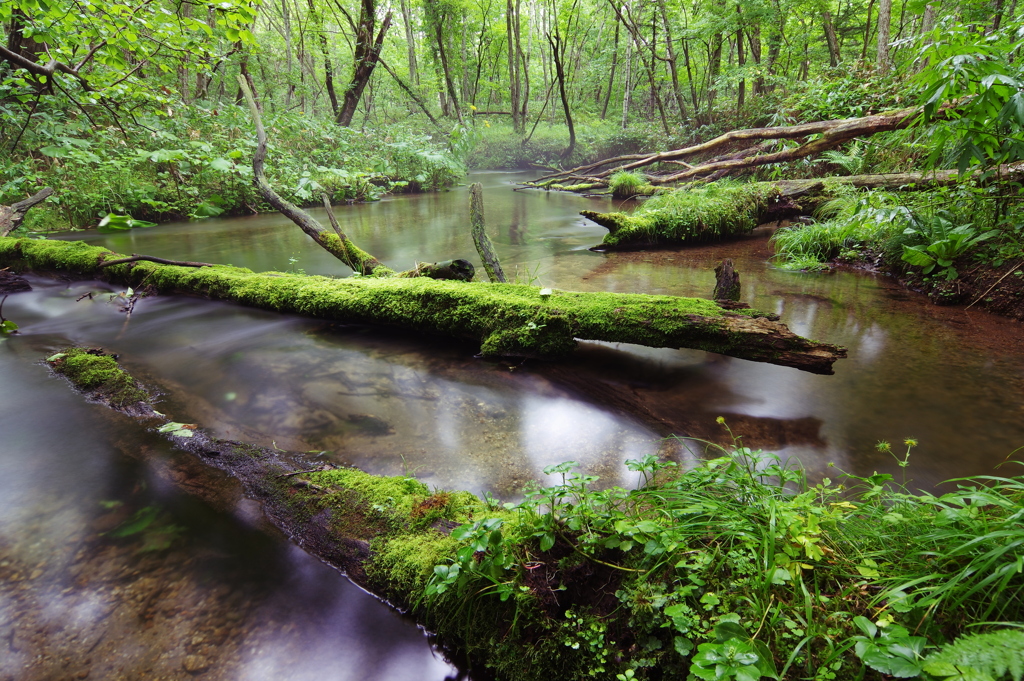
(980, 657)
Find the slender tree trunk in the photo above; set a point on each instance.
(611, 74)
(714, 67)
(286, 18)
(524, 63)
(318, 26)
(513, 66)
(449, 84)
(884, 22)
(830, 38)
(410, 42)
(627, 95)
(741, 60)
(867, 32)
(672, 66)
(557, 56)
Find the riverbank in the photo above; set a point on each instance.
(197, 164)
(738, 560)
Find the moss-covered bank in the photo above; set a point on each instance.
(506, 319)
(735, 568)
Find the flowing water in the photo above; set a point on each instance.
(231, 600)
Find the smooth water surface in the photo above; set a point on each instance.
(228, 595)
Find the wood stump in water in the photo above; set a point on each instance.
(727, 282)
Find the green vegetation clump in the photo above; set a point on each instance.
(99, 375)
(911, 234)
(690, 215)
(626, 185)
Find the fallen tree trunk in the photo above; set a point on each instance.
(713, 211)
(832, 135)
(506, 319)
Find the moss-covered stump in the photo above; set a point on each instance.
(506, 319)
(98, 375)
(707, 213)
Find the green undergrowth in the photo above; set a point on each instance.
(197, 164)
(737, 568)
(929, 236)
(507, 319)
(691, 215)
(99, 375)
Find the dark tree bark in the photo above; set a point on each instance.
(367, 53)
(558, 54)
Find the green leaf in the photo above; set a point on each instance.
(177, 429)
(916, 256)
(221, 164)
(683, 645)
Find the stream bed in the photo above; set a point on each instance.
(201, 586)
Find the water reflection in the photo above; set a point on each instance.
(194, 584)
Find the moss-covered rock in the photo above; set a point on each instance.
(98, 375)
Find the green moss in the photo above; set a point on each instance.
(99, 375)
(394, 496)
(404, 564)
(704, 213)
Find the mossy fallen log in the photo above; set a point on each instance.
(704, 213)
(506, 319)
(725, 208)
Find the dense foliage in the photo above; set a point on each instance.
(740, 567)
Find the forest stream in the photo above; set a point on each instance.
(110, 569)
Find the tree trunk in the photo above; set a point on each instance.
(884, 22)
(365, 58)
(672, 66)
(410, 42)
(318, 26)
(513, 66)
(558, 54)
(483, 243)
(611, 74)
(830, 39)
(714, 67)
